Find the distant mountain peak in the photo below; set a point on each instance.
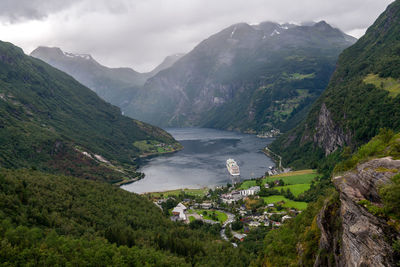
(51, 51)
(58, 52)
(323, 25)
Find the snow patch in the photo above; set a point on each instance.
(233, 32)
(71, 55)
(275, 32)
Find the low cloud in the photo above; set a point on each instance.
(141, 33)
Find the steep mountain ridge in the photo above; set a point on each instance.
(51, 122)
(246, 77)
(115, 85)
(361, 228)
(361, 98)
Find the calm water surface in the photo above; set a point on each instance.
(202, 162)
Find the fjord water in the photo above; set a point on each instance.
(202, 161)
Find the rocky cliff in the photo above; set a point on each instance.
(350, 234)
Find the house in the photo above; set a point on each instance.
(242, 212)
(179, 212)
(270, 205)
(286, 217)
(250, 191)
(239, 237)
(266, 185)
(206, 205)
(254, 224)
(276, 224)
(230, 198)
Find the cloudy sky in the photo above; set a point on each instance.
(140, 33)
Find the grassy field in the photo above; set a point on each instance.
(296, 177)
(288, 203)
(389, 84)
(298, 76)
(193, 192)
(222, 217)
(247, 184)
(297, 181)
(296, 189)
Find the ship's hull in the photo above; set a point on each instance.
(232, 167)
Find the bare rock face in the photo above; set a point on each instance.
(358, 238)
(328, 135)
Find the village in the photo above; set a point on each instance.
(266, 202)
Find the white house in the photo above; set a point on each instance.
(239, 237)
(286, 217)
(179, 211)
(251, 191)
(254, 224)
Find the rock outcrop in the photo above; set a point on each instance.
(328, 135)
(350, 234)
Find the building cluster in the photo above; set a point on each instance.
(237, 195)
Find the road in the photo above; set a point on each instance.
(230, 220)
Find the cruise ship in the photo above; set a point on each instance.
(232, 167)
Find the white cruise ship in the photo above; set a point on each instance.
(232, 167)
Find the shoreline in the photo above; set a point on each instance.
(148, 156)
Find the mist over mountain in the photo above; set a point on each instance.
(246, 77)
(115, 85)
(252, 78)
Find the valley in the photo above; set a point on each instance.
(307, 114)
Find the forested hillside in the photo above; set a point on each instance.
(362, 97)
(51, 122)
(54, 220)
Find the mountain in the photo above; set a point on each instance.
(115, 85)
(50, 122)
(362, 97)
(167, 62)
(246, 77)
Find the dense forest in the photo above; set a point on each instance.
(49, 219)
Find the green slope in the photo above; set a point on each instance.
(361, 98)
(58, 220)
(47, 119)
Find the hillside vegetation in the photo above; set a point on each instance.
(51, 122)
(50, 220)
(361, 98)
